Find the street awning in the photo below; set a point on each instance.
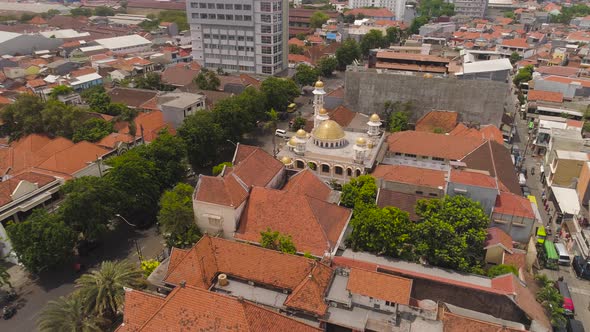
(567, 199)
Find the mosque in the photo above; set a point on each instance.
(332, 152)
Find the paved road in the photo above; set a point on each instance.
(33, 295)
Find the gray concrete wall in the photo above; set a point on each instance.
(476, 101)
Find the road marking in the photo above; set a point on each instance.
(580, 291)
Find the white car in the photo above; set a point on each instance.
(281, 133)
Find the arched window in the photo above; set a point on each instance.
(348, 172)
(325, 168)
(338, 170)
(299, 164)
(358, 172)
(313, 166)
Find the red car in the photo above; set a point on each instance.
(568, 303)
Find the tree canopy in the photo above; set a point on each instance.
(318, 19)
(176, 217)
(567, 13)
(295, 49)
(279, 92)
(104, 11)
(347, 53)
(207, 80)
(360, 190)
(498, 270)
(93, 130)
(326, 65)
(204, 138)
(524, 75)
(373, 39)
(276, 241)
(306, 75)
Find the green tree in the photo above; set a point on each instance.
(552, 301)
(81, 12)
(347, 53)
(452, 232)
(386, 231)
(295, 49)
(219, 168)
(42, 241)
(176, 16)
(150, 81)
(60, 119)
(417, 23)
(524, 75)
(299, 123)
(398, 121)
(514, 58)
(326, 65)
(4, 275)
(60, 90)
(318, 19)
(23, 117)
(97, 98)
(68, 313)
(502, 269)
(176, 217)
(276, 241)
(393, 35)
(273, 119)
(279, 92)
(234, 117)
(25, 17)
(207, 80)
(168, 153)
(89, 205)
(372, 39)
(300, 36)
(306, 75)
(93, 130)
(148, 266)
(102, 290)
(138, 186)
(360, 190)
(104, 11)
(203, 138)
(510, 15)
(436, 8)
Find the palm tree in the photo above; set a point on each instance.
(273, 119)
(68, 314)
(102, 289)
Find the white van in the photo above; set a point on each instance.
(280, 133)
(564, 257)
(521, 179)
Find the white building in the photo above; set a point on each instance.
(398, 7)
(125, 44)
(176, 106)
(471, 8)
(249, 36)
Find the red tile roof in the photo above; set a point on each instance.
(36, 83)
(380, 286)
(195, 309)
(403, 201)
(306, 182)
(574, 123)
(180, 75)
(549, 96)
(255, 167)
(489, 132)
(82, 71)
(210, 256)
(456, 323)
(472, 178)
(226, 190)
(149, 125)
(110, 141)
(74, 158)
(516, 42)
(371, 12)
(299, 58)
(432, 145)
(513, 205)
(423, 177)
(315, 225)
(37, 20)
(445, 120)
(7, 187)
(496, 236)
(583, 82)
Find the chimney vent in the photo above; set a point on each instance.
(183, 284)
(222, 279)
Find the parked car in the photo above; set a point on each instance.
(281, 133)
(582, 267)
(521, 179)
(525, 191)
(568, 303)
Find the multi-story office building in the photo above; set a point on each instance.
(398, 7)
(240, 35)
(471, 8)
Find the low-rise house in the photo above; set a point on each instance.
(374, 13)
(132, 98)
(14, 72)
(514, 215)
(409, 62)
(176, 106)
(61, 67)
(125, 44)
(494, 70)
(565, 167)
(477, 185)
(516, 45)
(86, 81)
(583, 185)
(569, 87)
(440, 122)
(180, 75)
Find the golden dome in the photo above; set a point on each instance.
(361, 141)
(319, 84)
(292, 141)
(323, 111)
(428, 75)
(328, 130)
(286, 160)
(375, 118)
(301, 133)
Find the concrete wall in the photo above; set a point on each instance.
(368, 302)
(475, 101)
(485, 196)
(498, 76)
(568, 90)
(519, 228)
(495, 255)
(566, 171)
(410, 188)
(583, 187)
(228, 218)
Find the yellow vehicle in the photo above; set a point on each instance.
(541, 235)
(291, 108)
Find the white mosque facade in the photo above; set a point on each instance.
(331, 151)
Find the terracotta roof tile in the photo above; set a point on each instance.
(131, 97)
(37, 20)
(314, 225)
(226, 190)
(36, 83)
(299, 58)
(516, 42)
(445, 120)
(423, 177)
(433, 145)
(82, 71)
(513, 205)
(371, 12)
(496, 160)
(403, 201)
(456, 323)
(110, 141)
(149, 125)
(583, 82)
(308, 183)
(195, 309)
(525, 299)
(380, 286)
(211, 256)
(257, 168)
(139, 307)
(342, 115)
(7, 187)
(497, 236)
(179, 75)
(516, 259)
(549, 96)
(473, 179)
(489, 132)
(74, 158)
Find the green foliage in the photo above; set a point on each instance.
(279, 92)
(397, 115)
(347, 53)
(176, 16)
(88, 205)
(306, 75)
(300, 36)
(42, 241)
(295, 49)
(398, 122)
(60, 90)
(176, 217)
(102, 290)
(25, 17)
(360, 190)
(551, 300)
(436, 8)
(207, 80)
(81, 12)
(104, 11)
(418, 22)
(167, 152)
(524, 75)
(218, 168)
(4, 275)
(299, 123)
(203, 137)
(393, 35)
(69, 313)
(502, 269)
(60, 119)
(373, 39)
(326, 65)
(510, 15)
(568, 13)
(150, 81)
(452, 232)
(277, 241)
(148, 266)
(307, 254)
(93, 130)
(97, 98)
(514, 58)
(317, 19)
